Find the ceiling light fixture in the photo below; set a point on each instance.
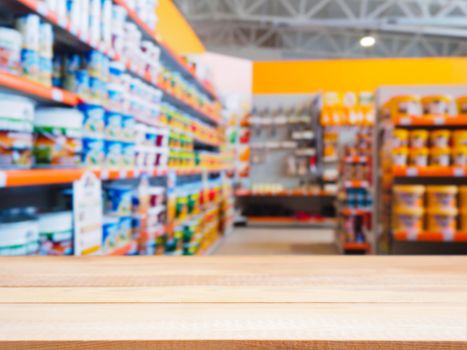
(367, 41)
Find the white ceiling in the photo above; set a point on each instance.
(287, 29)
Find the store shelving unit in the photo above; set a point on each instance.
(386, 175)
(69, 39)
(284, 167)
(346, 153)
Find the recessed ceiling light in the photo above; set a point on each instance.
(368, 41)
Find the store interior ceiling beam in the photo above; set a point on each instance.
(433, 27)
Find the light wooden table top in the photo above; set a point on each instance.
(330, 302)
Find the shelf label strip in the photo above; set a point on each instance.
(3, 178)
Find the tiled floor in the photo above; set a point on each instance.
(278, 241)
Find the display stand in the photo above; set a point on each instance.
(389, 176)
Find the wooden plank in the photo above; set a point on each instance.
(255, 293)
(330, 302)
(309, 322)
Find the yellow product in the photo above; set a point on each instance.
(399, 156)
(459, 138)
(437, 104)
(461, 103)
(408, 220)
(463, 221)
(442, 220)
(440, 156)
(419, 156)
(440, 138)
(419, 138)
(406, 104)
(463, 197)
(459, 156)
(401, 138)
(442, 197)
(408, 196)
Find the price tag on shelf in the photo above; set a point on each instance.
(42, 9)
(459, 172)
(3, 177)
(105, 174)
(412, 172)
(405, 121)
(412, 235)
(448, 235)
(57, 95)
(439, 121)
(122, 174)
(136, 172)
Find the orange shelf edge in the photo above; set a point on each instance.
(33, 88)
(356, 246)
(429, 171)
(430, 237)
(37, 177)
(433, 120)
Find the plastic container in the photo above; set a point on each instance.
(459, 156)
(119, 200)
(419, 157)
(459, 138)
(93, 154)
(116, 70)
(16, 141)
(408, 196)
(437, 105)
(401, 138)
(419, 138)
(128, 128)
(113, 125)
(408, 220)
(442, 220)
(442, 197)
(14, 238)
(29, 27)
(56, 233)
(58, 133)
(109, 234)
(440, 138)
(128, 154)
(113, 153)
(440, 156)
(399, 156)
(10, 50)
(405, 105)
(94, 120)
(125, 230)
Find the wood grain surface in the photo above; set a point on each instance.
(330, 302)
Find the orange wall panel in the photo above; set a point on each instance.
(355, 75)
(175, 30)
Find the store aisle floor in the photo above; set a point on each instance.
(278, 241)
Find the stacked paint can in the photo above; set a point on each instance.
(438, 209)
